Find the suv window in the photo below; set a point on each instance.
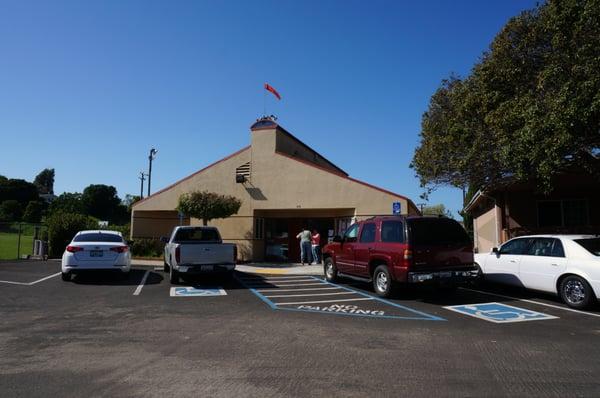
(436, 231)
(392, 231)
(350, 235)
(98, 237)
(196, 235)
(548, 247)
(515, 246)
(591, 244)
(367, 234)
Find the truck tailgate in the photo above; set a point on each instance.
(206, 253)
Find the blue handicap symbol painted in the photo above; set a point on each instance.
(189, 291)
(499, 313)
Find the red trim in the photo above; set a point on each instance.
(346, 177)
(192, 175)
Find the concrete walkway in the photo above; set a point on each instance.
(255, 268)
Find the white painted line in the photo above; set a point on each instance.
(309, 294)
(15, 283)
(257, 278)
(272, 282)
(263, 285)
(534, 302)
(326, 301)
(138, 289)
(43, 279)
(298, 290)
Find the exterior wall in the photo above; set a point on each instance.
(279, 186)
(286, 144)
(485, 230)
(154, 224)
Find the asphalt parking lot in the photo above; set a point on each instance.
(272, 336)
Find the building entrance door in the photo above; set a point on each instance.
(281, 243)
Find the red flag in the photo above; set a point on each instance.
(271, 89)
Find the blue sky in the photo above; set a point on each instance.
(89, 87)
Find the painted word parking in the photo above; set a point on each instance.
(312, 294)
(499, 313)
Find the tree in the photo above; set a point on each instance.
(207, 206)
(67, 203)
(19, 190)
(11, 210)
(34, 211)
(44, 181)
(101, 201)
(63, 226)
(529, 109)
(437, 210)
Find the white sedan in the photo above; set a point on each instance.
(566, 265)
(96, 250)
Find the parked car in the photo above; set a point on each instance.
(197, 250)
(566, 265)
(96, 250)
(393, 250)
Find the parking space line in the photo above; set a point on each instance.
(138, 289)
(309, 294)
(327, 301)
(31, 283)
(533, 302)
(15, 283)
(299, 290)
(46, 278)
(266, 284)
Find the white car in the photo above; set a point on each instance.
(96, 250)
(566, 265)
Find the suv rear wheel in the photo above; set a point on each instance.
(382, 281)
(330, 270)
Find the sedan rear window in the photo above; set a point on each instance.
(592, 245)
(436, 231)
(98, 237)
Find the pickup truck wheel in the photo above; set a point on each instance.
(382, 281)
(330, 270)
(173, 276)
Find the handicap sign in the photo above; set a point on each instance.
(499, 313)
(396, 208)
(190, 291)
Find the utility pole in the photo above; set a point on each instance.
(142, 178)
(151, 157)
(421, 205)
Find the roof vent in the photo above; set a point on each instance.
(242, 173)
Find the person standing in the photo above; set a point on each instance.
(315, 242)
(305, 239)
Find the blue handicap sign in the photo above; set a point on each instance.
(499, 313)
(190, 291)
(396, 208)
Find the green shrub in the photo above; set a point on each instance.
(63, 226)
(123, 229)
(147, 248)
(11, 210)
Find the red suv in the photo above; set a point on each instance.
(399, 250)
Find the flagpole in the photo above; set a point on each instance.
(264, 102)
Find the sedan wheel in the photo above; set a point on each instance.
(576, 292)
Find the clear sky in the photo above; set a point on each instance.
(88, 87)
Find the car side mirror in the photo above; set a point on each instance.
(164, 239)
(495, 250)
(338, 239)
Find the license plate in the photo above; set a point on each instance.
(95, 253)
(207, 267)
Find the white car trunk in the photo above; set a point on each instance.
(96, 251)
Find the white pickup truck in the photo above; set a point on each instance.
(197, 250)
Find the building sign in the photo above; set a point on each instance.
(396, 208)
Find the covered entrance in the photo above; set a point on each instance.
(281, 228)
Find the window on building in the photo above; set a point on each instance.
(367, 234)
(562, 213)
(259, 228)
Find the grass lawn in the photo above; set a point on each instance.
(8, 245)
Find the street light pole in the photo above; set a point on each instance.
(151, 157)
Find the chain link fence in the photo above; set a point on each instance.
(18, 240)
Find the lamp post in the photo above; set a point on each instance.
(142, 178)
(151, 157)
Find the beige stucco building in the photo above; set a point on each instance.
(286, 185)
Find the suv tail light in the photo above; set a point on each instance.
(178, 254)
(74, 249)
(407, 258)
(120, 249)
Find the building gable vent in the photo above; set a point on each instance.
(243, 170)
